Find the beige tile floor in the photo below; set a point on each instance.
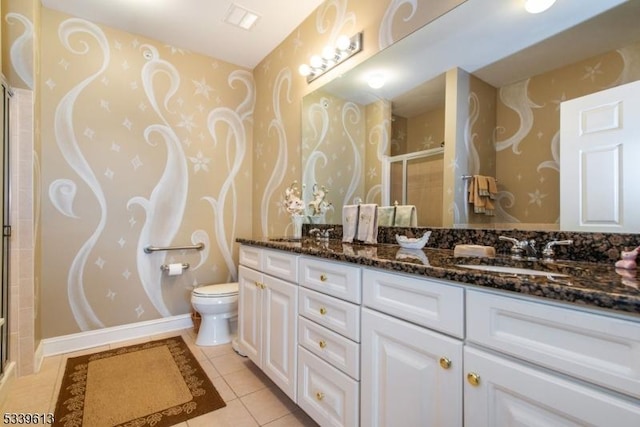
(251, 398)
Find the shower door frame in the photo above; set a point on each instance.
(6, 227)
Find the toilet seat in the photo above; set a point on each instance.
(214, 291)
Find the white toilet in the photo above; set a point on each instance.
(217, 305)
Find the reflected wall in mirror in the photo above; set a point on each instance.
(501, 90)
(339, 139)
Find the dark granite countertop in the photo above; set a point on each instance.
(591, 285)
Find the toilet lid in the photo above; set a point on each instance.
(217, 290)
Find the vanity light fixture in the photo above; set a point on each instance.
(331, 56)
(537, 6)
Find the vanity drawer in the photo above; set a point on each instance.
(339, 351)
(280, 264)
(326, 394)
(424, 302)
(331, 278)
(250, 256)
(339, 316)
(595, 348)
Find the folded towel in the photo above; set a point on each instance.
(406, 216)
(482, 190)
(349, 222)
(386, 215)
(368, 223)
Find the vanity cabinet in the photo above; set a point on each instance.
(411, 366)
(267, 313)
(356, 346)
(530, 363)
(329, 341)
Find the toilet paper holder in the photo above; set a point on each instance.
(165, 267)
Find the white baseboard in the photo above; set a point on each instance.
(105, 336)
(38, 357)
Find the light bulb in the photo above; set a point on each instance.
(537, 6)
(343, 43)
(316, 61)
(329, 53)
(376, 81)
(304, 70)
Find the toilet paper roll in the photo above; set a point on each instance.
(175, 269)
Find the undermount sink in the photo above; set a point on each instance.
(511, 270)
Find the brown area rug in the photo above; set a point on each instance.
(159, 383)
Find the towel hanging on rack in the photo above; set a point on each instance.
(406, 216)
(481, 192)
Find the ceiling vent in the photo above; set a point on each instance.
(241, 17)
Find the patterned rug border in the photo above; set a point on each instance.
(69, 410)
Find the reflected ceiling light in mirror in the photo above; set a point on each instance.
(537, 6)
(376, 80)
(331, 56)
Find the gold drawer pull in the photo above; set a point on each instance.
(323, 277)
(473, 378)
(319, 395)
(323, 311)
(445, 362)
(322, 344)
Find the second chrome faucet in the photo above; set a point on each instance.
(527, 248)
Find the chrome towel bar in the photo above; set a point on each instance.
(149, 249)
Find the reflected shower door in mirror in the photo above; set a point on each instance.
(416, 180)
(505, 77)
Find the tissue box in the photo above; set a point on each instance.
(474, 250)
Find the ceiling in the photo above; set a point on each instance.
(197, 25)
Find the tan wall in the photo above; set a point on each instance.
(425, 131)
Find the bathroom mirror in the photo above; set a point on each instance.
(350, 130)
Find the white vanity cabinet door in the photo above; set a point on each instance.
(250, 313)
(599, 349)
(332, 278)
(279, 316)
(326, 394)
(267, 318)
(425, 302)
(410, 376)
(512, 394)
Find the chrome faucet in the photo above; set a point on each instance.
(548, 252)
(520, 246)
(320, 234)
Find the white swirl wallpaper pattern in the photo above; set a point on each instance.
(150, 146)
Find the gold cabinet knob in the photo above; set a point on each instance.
(319, 395)
(263, 286)
(473, 378)
(323, 277)
(445, 362)
(322, 344)
(257, 284)
(323, 311)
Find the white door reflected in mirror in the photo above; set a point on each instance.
(599, 153)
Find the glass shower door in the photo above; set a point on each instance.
(6, 228)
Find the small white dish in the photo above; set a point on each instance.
(413, 243)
